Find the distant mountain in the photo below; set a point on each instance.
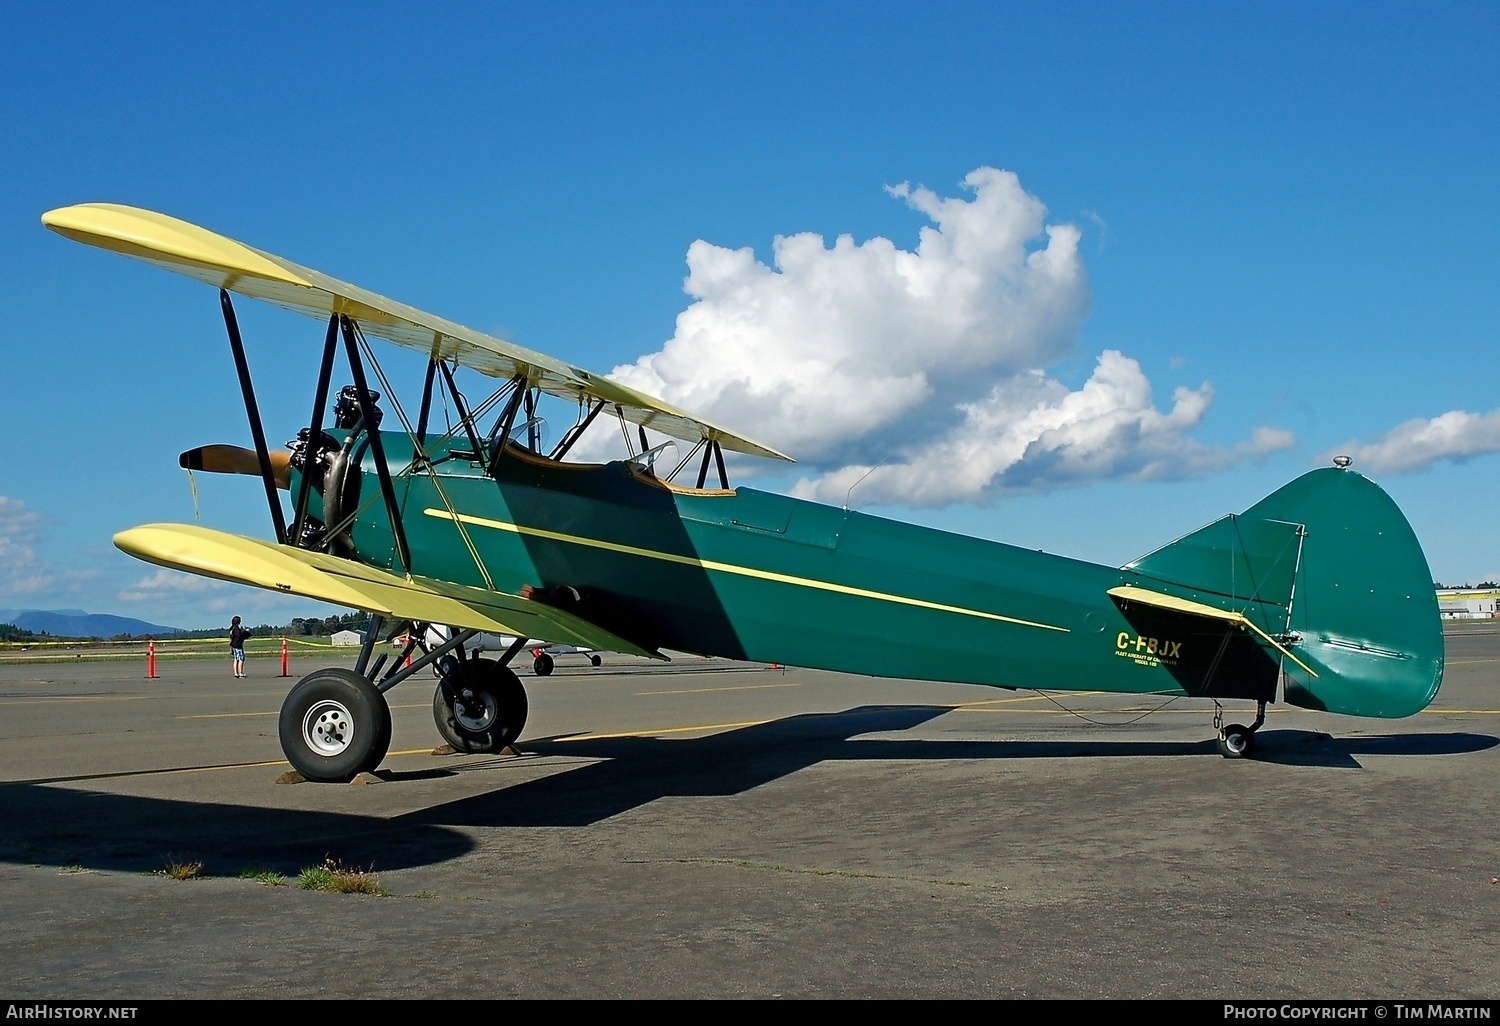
(75, 623)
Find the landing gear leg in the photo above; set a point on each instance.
(1236, 741)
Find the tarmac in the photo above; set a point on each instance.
(713, 829)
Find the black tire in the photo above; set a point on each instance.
(382, 739)
(334, 724)
(480, 708)
(542, 665)
(1236, 742)
(595, 660)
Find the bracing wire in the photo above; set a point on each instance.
(420, 457)
(1107, 723)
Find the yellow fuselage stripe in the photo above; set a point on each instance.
(731, 568)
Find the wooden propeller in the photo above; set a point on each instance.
(231, 459)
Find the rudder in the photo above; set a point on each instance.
(1329, 565)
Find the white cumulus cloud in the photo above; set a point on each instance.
(1419, 443)
(1030, 433)
(170, 585)
(21, 573)
(841, 355)
(178, 598)
(834, 343)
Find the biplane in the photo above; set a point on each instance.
(1318, 594)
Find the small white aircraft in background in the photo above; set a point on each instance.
(543, 657)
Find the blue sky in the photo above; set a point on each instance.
(1295, 204)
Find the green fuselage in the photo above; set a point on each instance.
(752, 575)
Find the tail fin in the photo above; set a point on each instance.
(1329, 565)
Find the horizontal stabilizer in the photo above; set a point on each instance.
(1244, 558)
(1160, 600)
(291, 571)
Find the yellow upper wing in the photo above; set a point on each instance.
(233, 557)
(224, 263)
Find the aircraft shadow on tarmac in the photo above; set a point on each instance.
(634, 771)
(42, 825)
(64, 826)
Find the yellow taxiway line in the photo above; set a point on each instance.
(274, 712)
(665, 730)
(1200, 712)
(708, 727)
(1012, 701)
(700, 691)
(261, 765)
(76, 698)
(1460, 712)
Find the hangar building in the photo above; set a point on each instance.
(1467, 603)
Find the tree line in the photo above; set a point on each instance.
(300, 627)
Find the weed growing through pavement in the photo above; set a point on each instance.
(175, 870)
(334, 876)
(266, 876)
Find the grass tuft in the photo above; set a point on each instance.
(182, 870)
(266, 876)
(334, 876)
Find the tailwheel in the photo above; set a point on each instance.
(479, 706)
(1237, 741)
(334, 724)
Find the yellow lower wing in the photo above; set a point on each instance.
(233, 557)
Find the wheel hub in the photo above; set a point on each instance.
(328, 728)
(475, 711)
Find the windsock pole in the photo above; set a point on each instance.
(286, 667)
(151, 673)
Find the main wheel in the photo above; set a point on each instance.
(481, 707)
(382, 740)
(1236, 742)
(334, 724)
(542, 664)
